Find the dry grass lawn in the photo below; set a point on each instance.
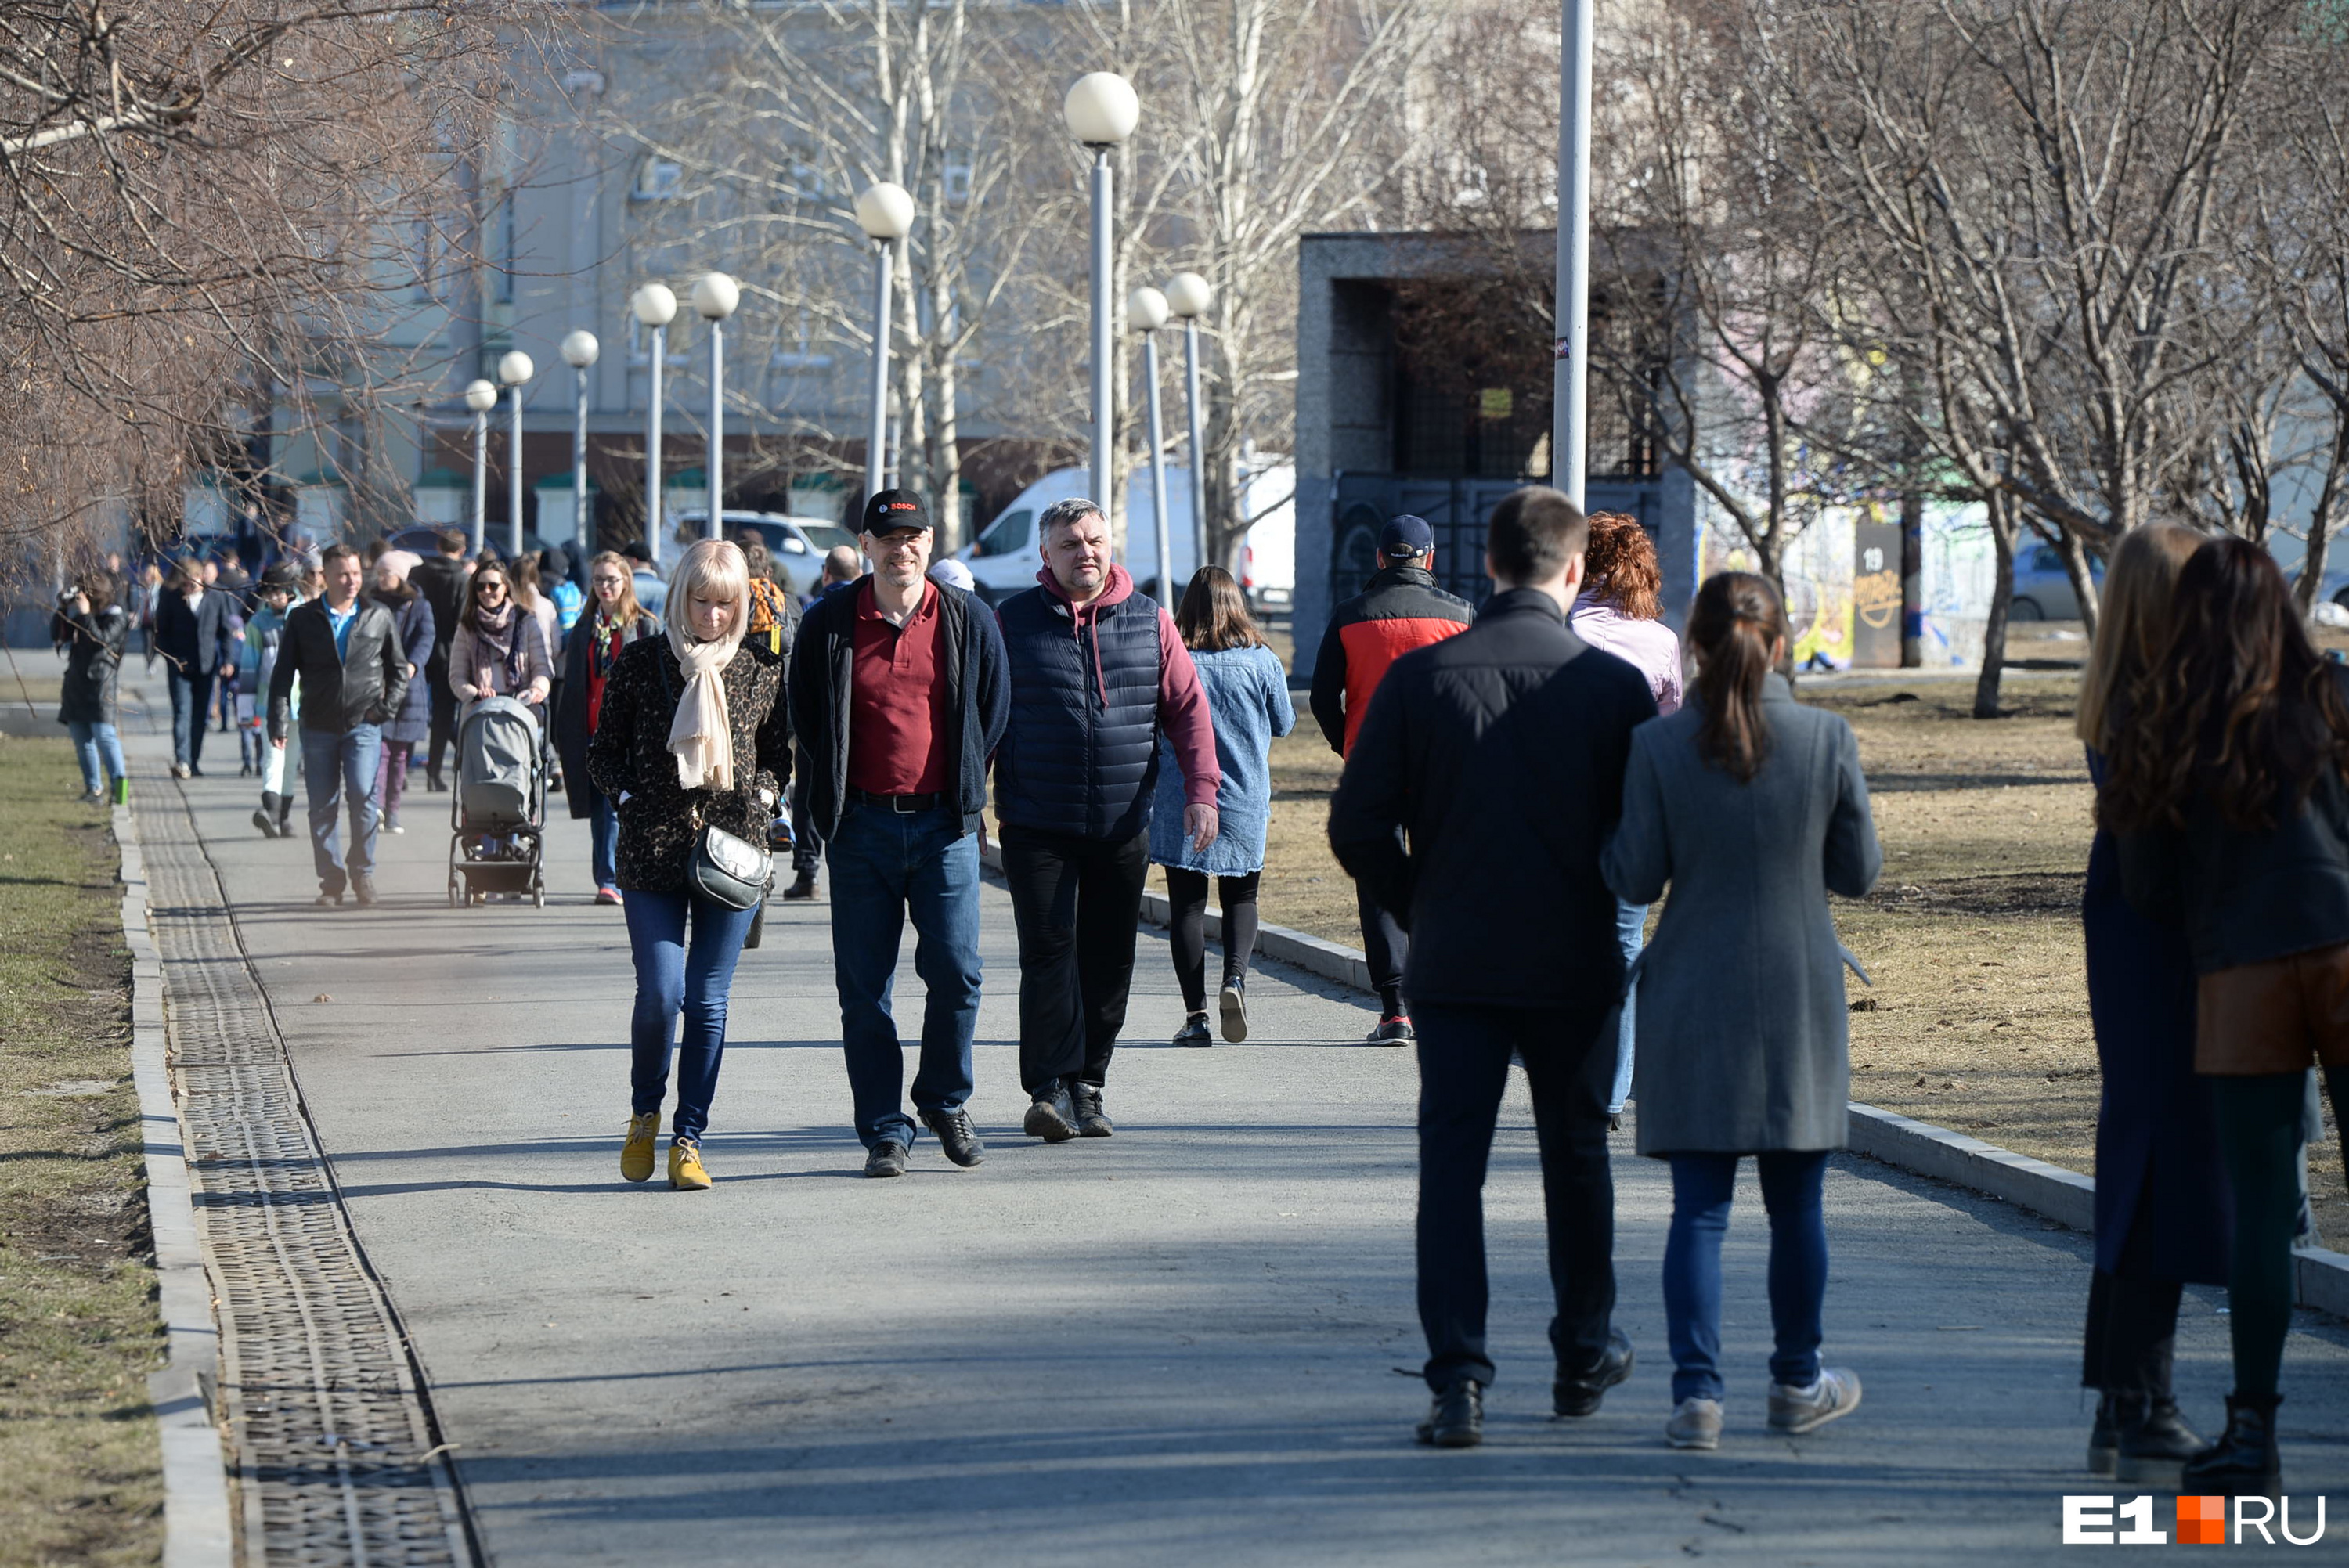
(1980, 1015)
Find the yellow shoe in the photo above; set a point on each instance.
(636, 1155)
(685, 1171)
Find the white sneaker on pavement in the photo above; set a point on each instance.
(1695, 1424)
(1798, 1410)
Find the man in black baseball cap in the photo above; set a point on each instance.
(1399, 608)
(891, 509)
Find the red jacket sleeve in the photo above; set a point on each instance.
(1183, 713)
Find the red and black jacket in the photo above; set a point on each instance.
(1401, 608)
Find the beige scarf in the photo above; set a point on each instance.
(702, 733)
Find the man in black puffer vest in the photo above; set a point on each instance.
(1498, 755)
(1098, 673)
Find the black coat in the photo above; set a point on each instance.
(978, 696)
(1499, 753)
(94, 644)
(571, 732)
(194, 640)
(441, 580)
(418, 633)
(338, 693)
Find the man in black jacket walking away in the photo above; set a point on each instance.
(899, 692)
(1499, 756)
(354, 673)
(1399, 608)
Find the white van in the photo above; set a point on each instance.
(1009, 552)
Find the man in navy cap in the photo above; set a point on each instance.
(1401, 608)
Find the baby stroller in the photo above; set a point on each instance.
(497, 814)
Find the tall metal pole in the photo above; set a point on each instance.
(582, 526)
(1104, 400)
(876, 432)
(1568, 431)
(1157, 469)
(714, 527)
(480, 480)
(1198, 458)
(514, 478)
(653, 450)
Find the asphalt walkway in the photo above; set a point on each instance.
(1179, 1344)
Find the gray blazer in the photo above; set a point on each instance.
(1744, 1032)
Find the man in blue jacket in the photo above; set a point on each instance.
(898, 695)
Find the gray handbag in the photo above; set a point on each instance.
(729, 868)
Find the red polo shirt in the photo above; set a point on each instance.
(897, 725)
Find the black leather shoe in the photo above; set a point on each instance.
(1233, 1003)
(887, 1158)
(955, 1135)
(1194, 1032)
(2105, 1437)
(802, 887)
(1050, 1115)
(363, 889)
(2243, 1461)
(2152, 1442)
(1092, 1121)
(1576, 1394)
(1455, 1418)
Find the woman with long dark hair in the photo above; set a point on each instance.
(2229, 791)
(1752, 808)
(2163, 1217)
(612, 621)
(1248, 703)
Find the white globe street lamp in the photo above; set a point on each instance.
(1101, 111)
(515, 369)
(1188, 296)
(655, 306)
(886, 212)
(579, 352)
(481, 396)
(1145, 312)
(715, 295)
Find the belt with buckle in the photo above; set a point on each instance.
(904, 805)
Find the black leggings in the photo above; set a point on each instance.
(1187, 891)
(2261, 1129)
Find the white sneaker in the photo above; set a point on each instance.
(1798, 1410)
(1695, 1424)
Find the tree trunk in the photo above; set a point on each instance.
(2002, 529)
(2074, 552)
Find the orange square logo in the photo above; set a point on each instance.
(2201, 1522)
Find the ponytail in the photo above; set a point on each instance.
(1735, 627)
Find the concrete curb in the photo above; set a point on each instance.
(196, 1533)
(2066, 1197)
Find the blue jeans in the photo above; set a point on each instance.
(191, 695)
(673, 978)
(92, 740)
(603, 835)
(1702, 1187)
(335, 767)
(1630, 928)
(884, 867)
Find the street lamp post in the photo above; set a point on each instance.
(714, 299)
(1572, 349)
(515, 369)
(1102, 111)
(1188, 295)
(579, 351)
(481, 397)
(1145, 312)
(656, 307)
(886, 212)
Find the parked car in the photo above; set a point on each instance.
(2042, 589)
(1007, 553)
(798, 543)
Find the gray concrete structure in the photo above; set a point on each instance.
(1350, 471)
(1178, 1345)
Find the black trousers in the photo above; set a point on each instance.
(1076, 901)
(1463, 1068)
(1186, 898)
(807, 849)
(444, 725)
(1384, 948)
(2131, 1343)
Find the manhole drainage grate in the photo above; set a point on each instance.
(336, 1457)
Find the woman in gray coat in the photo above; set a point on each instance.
(1753, 808)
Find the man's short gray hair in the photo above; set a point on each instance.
(1064, 513)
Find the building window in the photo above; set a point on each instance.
(658, 180)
